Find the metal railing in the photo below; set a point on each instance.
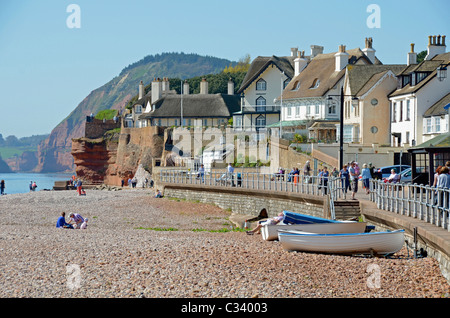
(423, 202)
(303, 184)
(418, 201)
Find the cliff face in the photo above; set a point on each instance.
(111, 160)
(92, 158)
(23, 163)
(55, 152)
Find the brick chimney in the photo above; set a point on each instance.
(141, 90)
(165, 84)
(369, 51)
(412, 56)
(230, 87)
(204, 86)
(300, 63)
(341, 58)
(185, 88)
(316, 50)
(436, 45)
(156, 89)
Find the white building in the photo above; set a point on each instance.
(416, 115)
(263, 83)
(305, 99)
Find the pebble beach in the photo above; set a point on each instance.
(139, 246)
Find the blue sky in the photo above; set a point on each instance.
(47, 69)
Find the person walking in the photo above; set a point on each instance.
(344, 175)
(2, 187)
(354, 178)
(366, 176)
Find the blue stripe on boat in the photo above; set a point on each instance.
(297, 218)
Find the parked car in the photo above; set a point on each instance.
(406, 176)
(384, 172)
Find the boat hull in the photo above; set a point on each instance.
(380, 243)
(270, 232)
(298, 218)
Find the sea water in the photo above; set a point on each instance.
(20, 182)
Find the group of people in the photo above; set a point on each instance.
(76, 221)
(442, 176)
(33, 186)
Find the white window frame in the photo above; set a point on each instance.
(261, 85)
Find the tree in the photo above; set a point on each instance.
(421, 56)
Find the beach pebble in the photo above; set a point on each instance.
(139, 246)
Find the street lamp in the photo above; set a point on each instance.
(355, 100)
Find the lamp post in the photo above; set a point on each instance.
(341, 122)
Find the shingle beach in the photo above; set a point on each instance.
(139, 246)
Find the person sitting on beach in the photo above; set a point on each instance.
(80, 222)
(61, 222)
(272, 221)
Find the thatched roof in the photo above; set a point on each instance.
(195, 106)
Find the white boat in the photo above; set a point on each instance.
(270, 232)
(379, 243)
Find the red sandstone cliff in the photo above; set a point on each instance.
(109, 160)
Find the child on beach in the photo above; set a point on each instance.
(61, 223)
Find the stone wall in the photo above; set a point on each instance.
(250, 202)
(96, 128)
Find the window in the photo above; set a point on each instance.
(138, 109)
(406, 80)
(374, 129)
(260, 122)
(374, 102)
(238, 122)
(261, 85)
(297, 111)
(308, 112)
(394, 112)
(420, 76)
(289, 111)
(315, 84)
(317, 109)
(428, 125)
(286, 82)
(407, 137)
(401, 111)
(205, 122)
(296, 86)
(176, 122)
(437, 124)
(408, 110)
(260, 104)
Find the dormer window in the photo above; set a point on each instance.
(261, 85)
(315, 84)
(406, 79)
(138, 109)
(420, 76)
(296, 86)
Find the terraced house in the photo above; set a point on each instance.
(417, 105)
(305, 104)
